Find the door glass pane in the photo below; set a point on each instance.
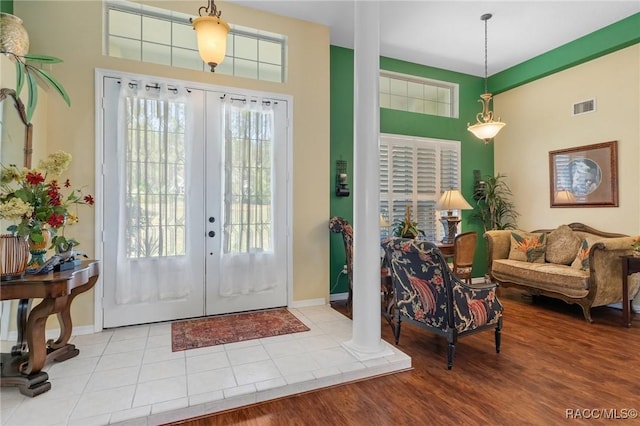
(155, 177)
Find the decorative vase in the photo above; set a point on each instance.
(14, 255)
(13, 36)
(38, 253)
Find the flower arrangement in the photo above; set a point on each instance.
(34, 199)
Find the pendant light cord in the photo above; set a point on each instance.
(485, 56)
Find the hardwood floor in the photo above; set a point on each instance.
(552, 364)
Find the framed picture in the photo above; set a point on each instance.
(584, 176)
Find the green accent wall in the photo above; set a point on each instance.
(6, 6)
(616, 36)
(475, 154)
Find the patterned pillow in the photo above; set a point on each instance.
(582, 258)
(562, 245)
(527, 246)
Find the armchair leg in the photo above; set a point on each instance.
(451, 349)
(451, 352)
(396, 331)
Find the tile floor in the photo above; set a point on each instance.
(130, 376)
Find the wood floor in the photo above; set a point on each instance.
(553, 366)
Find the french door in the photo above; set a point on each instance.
(195, 202)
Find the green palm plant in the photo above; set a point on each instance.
(495, 208)
(27, 72)
(406, 227)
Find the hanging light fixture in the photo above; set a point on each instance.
(211, 31)
(485, 128)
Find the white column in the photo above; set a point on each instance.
(366, 342)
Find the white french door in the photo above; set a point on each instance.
(247, 187)
(195, 202)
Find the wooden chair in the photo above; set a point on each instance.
(428, 295)
(464, 248)
(341, 225)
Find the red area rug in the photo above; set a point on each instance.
(217, 330)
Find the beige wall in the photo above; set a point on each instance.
(539, 120)
(72, 31)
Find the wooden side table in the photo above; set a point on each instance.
(630, 265)
(22, 367)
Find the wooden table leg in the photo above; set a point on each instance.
(36, 333)
(20, 348)
(626, 312)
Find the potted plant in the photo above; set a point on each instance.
(406, 227)
(495, 208)
(27, 71)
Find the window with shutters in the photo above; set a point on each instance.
(416, 171)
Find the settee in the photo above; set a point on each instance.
(574, 263)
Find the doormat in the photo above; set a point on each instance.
(221, 329)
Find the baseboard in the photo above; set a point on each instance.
(307, 302)
(338, 296)
(54, 333)
(636, 309)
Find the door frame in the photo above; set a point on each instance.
(99, 75)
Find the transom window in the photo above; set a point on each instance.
(414, 94)
(415, 172)
(149, 34)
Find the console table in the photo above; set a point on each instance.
(22, 367)
(630, 265)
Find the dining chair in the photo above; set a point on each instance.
(464, 248)
(341, 225)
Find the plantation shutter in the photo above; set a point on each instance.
(415, 172)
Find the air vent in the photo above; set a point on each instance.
(584, 107)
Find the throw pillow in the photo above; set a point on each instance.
(527, 246)
(582, 258)
(562, 245)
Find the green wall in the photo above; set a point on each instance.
(6, 6)
(616, 36)
(475, 154)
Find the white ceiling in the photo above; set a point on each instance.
(450, 34)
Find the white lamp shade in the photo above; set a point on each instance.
(212, 38)
(452, 200)
(487, 130)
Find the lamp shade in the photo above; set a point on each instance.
(486, 131)
(564, 196)
(452, 200)
(211, 32)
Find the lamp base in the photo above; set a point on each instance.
(450, 224)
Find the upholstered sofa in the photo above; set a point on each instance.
(574, 263)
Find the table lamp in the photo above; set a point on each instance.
(451, 200)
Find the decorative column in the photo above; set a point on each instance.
(366, 342)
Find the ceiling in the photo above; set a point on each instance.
(450, 35)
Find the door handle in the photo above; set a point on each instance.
(212, 234)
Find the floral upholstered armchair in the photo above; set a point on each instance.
(340, 225)
(427, 294)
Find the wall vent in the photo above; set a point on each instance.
(584, 107)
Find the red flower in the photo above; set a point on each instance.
(34, 178)
(67, 183)
(88, 199)
(56, 220)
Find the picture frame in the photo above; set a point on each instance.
(584, 176)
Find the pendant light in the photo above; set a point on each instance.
(485, 128)
(211, 31)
